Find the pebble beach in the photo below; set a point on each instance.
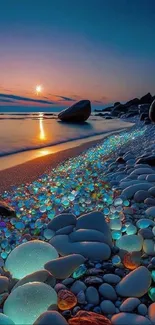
(77, 243)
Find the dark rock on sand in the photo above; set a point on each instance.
(152, 112)
(51, 318)
(79, 112)
(5, 210)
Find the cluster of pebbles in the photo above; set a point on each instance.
(80, 248)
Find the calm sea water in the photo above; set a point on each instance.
(21, 132)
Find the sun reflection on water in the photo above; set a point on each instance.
(42, 135)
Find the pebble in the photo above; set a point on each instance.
(107, 307)
(152, 191)
(142, 310)
(92, 296)
(135, 284)
(150, 212)
(50, 317)
(146, 233)
(129, 319)
(81, 298)
(4, 284)
(129, 305)
(149, 201)
(78, 286)
(149, 247)
(141, 195)
(111, 278)
(130, 243)
(63, 267)
(151, 313)
(107, 292)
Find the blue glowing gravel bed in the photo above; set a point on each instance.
(78, 185)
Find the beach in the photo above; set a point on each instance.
(88, 212)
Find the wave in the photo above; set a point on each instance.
(53, 143)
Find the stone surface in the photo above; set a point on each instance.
(129, 305)
(63, 267)
(89, 235)
(130, 243)
(27, 302)
(78, 286)
(65, 230)
(151, 313)
(150, 212)
(107, 291)
(90, 250)
(5, 320)
(50, 318)
(107, 307)
(78, 112)
(142, 309)
(92, 296)
(135, 284)
(4, 284)
(129, 319)
(96, 221)
(37, 253)
(39, 276)
(61, 221)
(89, 318)
(111, 278)
(149, 247)
(66, 300)
(150, 201)
(141, 195)
(132, 189)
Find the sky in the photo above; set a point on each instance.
(102, 50)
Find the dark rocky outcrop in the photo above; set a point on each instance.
(146, 99)
(152, 112)
(77, 113)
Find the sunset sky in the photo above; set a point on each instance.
(102, 50)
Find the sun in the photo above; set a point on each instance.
(38, 89)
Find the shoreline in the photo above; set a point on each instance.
(31, 170)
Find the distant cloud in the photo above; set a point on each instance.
(98, 101)
(26, 99)
(6, 100)
(64, 98)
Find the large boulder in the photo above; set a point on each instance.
(79, 112)
(152, 112)
(146, 99)
(134, 101)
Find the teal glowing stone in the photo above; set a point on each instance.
(151, 293)
(80, 271)
(5, 320)
(153, 275)
(27, 302)
(130, 243)
(144, 223)
(29, 257)
(116, 234)
(131, 230)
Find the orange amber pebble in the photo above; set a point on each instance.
(131, 260)
(66, 300)
(89, 318)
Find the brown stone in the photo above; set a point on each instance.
(66, 300)
(89, 318)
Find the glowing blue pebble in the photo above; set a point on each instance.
(27, 302)
(5, 320)
(144, 223)
(116, 260)
(131, 230)
(79, 272)
(29, 257)
(116, 234)
(48, 233)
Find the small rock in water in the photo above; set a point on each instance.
(81, 270)
(142, 310)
